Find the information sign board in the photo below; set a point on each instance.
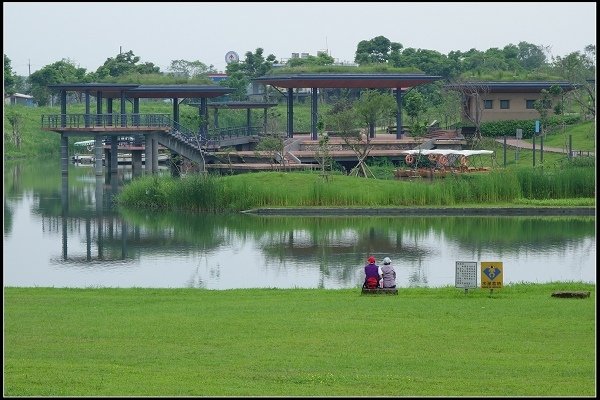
(466, 274)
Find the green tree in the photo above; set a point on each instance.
(63, 71)
(124, 64)
(190, 69)
(374, 105)
(322, 152)
(414, 105)
(545, 103)
(449, 107)
(9, 77)
(579, 68)
(344, 119)
(375, 51)
(15, 119)
(531, 56)
(240, 74)
(429, 61)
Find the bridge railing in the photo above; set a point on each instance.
(187, 135)
(59, 121)
(234, 132)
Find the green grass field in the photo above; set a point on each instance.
(518, 341)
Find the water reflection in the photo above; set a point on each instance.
(82, 240)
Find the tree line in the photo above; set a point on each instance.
(522, 61)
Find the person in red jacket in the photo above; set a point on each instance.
(373, 274)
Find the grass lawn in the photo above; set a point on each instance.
(518, 341)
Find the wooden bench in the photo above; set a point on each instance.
(380, 291)
(579, 295)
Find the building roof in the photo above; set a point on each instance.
(344, 80)
(515, 86)
(20, 95)
(113, 90)
(236, 104)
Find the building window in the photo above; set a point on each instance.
(504, 104)
(488, 104)
(530, 104)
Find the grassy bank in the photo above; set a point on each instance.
(519, 341)
(277, 189)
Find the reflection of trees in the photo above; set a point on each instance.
(418, 277)
(336, 247)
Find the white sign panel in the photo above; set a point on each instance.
(466, 274)
(519, 133)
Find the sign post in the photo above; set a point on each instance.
(519, 136)
(491, 275)
(466, 275)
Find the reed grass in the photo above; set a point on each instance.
(307, 189)
(516, 341)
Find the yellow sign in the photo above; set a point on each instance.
(491, 274)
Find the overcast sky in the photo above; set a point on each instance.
(38, 34)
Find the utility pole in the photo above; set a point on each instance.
(29, 65)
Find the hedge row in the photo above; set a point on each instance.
(509, 127)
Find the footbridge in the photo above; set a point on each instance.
(148, 131)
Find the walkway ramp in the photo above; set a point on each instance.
(184, 145)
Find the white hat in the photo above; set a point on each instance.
(387, 260)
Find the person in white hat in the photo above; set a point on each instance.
(389, 274)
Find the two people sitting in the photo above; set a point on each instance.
(379, 277)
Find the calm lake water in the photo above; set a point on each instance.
(67, 233)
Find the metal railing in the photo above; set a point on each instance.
(114, 120)
(145, 121)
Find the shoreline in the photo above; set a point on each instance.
(416, 211)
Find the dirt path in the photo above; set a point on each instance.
(512, 142)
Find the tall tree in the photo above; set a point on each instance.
(124, 64)
(414, 105)
(375, 51)
(579, 68)
(531, 56)
(344, 120)
(63, 71)
(373, 106)
(9, 77)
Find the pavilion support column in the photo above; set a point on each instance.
(98, 148)
(248, 123)
(138, 141)
(399, 113)
(99, 108)
(114, 154)
(136, 162)
(203, 117)
(109, 110)
(136, 111)
(290, 113)
(63, 108)
(216, 117)
(154, 153)
(314, 114)
(64, 154)
(87, 108)
(123, 110)
(148, 153)
(176, 111)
